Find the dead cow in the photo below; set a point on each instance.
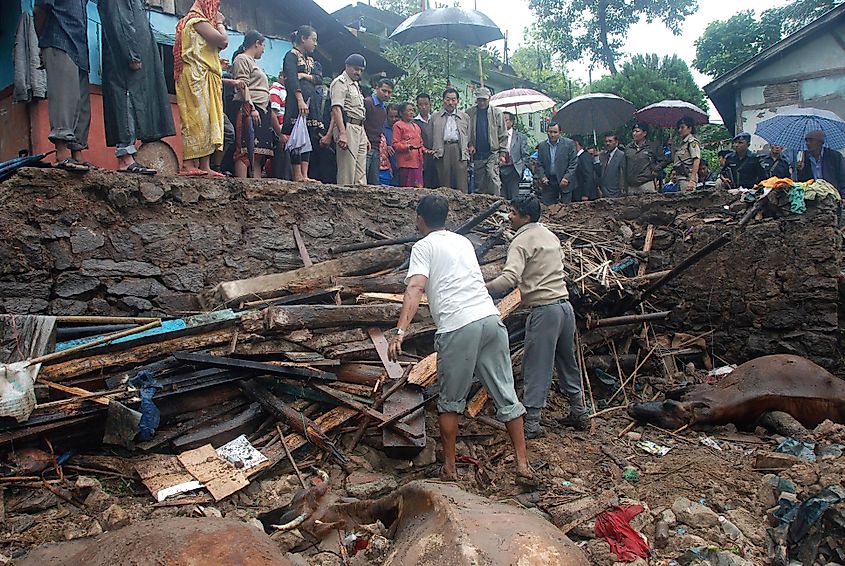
(781, 382)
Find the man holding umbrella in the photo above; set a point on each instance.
(821, 162)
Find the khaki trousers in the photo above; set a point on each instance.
(352, 162)
(69, 105)
(487, 179)
(451, 171)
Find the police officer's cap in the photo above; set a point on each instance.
(743, 136)
(356, 60)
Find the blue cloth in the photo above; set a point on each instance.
(377, 101)
(66, 29)
(385, 178)
(670, 188)
(146, 384)
(482, 136)
(816, 164)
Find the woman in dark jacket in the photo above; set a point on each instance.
(301, 81)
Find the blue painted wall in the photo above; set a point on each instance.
(165, 24)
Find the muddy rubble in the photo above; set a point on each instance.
(247, 412)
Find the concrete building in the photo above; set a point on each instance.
(805, 69)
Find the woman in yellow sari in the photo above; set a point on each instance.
(200, 36)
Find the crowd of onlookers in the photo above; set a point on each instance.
(236, 121)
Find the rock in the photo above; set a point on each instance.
(120, 197)
(82, 527)
(115, 517)
(427, 456)
(694, 514)
(669, 517)
(256, 523)
(804, 474)
(184, 278)
(62, 258)
(125, 244)
(151, 192)
(369, 485)
(751, 526)
(147, 287)
(634, 436)
(70, 284)
(287, 541)
(598, 551)
(98, 500)
(137, 303)
(67, 307)
(211, 512)
(186, 194)
(87, 483)
(111, 268)
(83, 240)
(98, 306)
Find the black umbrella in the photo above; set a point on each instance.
(468, 27)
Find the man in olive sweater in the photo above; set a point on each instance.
(535, 266)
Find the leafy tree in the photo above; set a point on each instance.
(537, 64)
(596, 29)
(404, 8)
(725, 44)
(647, 79)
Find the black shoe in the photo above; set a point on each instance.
(578, 423)
(539, 432)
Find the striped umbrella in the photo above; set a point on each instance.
(788, 128)
(521, 101)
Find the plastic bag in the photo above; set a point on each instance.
(299, 141)
(17, 390)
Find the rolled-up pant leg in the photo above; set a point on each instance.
(69, 105)
(494, 370)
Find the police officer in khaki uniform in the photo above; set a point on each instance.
(687, 154)
(348, 120)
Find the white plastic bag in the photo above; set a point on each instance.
(17, 389)
(299, 141)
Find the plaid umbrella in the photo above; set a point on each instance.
(788, 128)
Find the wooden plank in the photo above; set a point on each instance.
(394, 370)
(139, 354)
(424, 373)
(368, 411)
(318, 275)
(386, 298)
(649, 240)
(327, 316)
(252, 366)
(220, 477)
(75, 391)
(163, 436)
(160, 471)
(300, 244)
(220, 433)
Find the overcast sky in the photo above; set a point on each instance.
(514, 16)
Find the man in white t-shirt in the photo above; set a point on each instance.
(471, 338)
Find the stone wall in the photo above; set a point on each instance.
(773, 290)
(107, 243)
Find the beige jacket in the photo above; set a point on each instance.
(535, 266)
(438, 125)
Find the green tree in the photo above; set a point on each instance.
(536, 64)
(596, 29)
(405, 8)
(725, 44)
(647, 79)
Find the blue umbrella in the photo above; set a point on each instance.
(788, 128)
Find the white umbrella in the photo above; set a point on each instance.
(591, 113)
(521, 101)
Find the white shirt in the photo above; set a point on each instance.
(510, 137)
(450, 130)
(455, 289)
(421, 119)
(580, 151)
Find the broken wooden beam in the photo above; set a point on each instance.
(252, 366)
(364, 410)
(325, 316)
(269, 286)
(629, 319)
(219, 433)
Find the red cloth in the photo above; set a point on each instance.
(405, 135)
(625, 542)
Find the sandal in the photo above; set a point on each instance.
(138, 169)
(437, 473)
(192, 173)
(71, 164)
(216, 174)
